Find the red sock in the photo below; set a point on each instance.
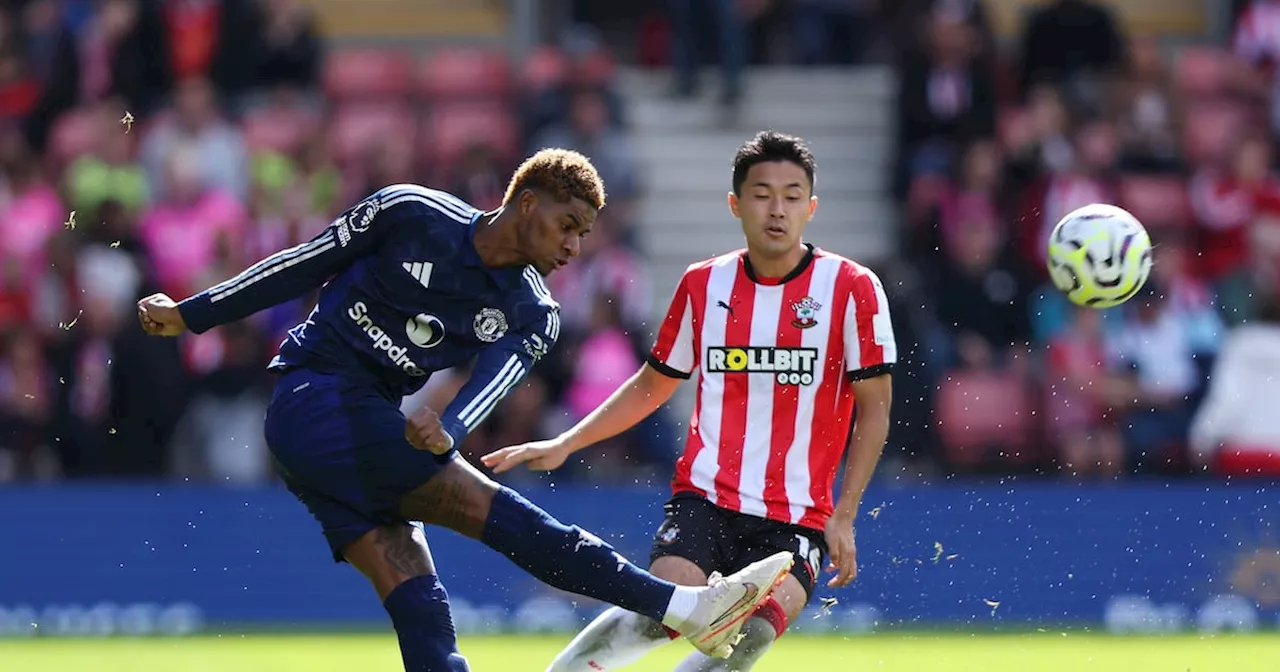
(671, 633)
(771, 611)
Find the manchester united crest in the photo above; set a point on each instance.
(806, 313)
(490, 325)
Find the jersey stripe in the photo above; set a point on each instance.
(698, 464)
(272, 265)
(736, 391)
(817, 419)
(473, 413)
(786, 402)
(445, 203)
(756, 446)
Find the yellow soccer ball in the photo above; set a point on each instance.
(1099, 256)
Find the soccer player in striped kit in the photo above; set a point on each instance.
(785, 337)
(417, 281)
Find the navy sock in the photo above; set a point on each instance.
(569, 558)
(419, 609)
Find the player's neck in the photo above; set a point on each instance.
(496, 241)
(770, 266)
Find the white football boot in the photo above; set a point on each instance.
(727, 601)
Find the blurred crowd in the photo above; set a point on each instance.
(994, 147)
(150, 145)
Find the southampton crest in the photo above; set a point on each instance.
(806, 313)
(491, 325)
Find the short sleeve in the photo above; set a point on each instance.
(673, 351)
(869, 346)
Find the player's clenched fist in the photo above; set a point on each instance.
(540, 455)
(160, 316)
(424, 432)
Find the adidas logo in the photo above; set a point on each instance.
(420, 270)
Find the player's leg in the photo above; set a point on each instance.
(687, 547)
(761, 538)
(759, 632)
(569, 558)
(397, 561)
(617, 637)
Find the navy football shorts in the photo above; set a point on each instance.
(339, 446)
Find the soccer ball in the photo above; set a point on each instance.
(1099, 256)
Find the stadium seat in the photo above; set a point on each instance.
(464, 73)
(1209, 128)
(277, 129)
(450, 128)
(357, 73)
(1157, 201)
(357, 124)
(74, 133)
(1203, 71)
(984, 415)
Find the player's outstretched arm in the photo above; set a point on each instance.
(641, 395)
(290, 273)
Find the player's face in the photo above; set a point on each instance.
(555, 231)
(776, 204)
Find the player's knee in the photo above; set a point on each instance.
(458, 498)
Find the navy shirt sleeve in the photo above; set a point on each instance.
(291, 273)
(498, 369)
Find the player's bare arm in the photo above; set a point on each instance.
(874, 397)
(634, 401)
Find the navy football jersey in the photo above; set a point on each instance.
(407, 295)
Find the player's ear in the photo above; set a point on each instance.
(526, 202)
(733, 204)
(813, 206)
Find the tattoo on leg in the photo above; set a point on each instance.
(402, 552)
(450, 500)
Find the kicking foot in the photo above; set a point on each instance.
(725, 604)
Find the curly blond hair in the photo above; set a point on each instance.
(563, 173)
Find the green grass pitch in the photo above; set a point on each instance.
(1048, 652)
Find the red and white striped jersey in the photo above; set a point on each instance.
(777, 359)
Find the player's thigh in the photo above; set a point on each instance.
(678, 570)
(389, 555)
(692, 542)
(762, 538)
(457, 497)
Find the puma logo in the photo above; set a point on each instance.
(728, 308)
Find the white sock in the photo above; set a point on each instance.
(757, 637)
(615, 639)
(681, 607)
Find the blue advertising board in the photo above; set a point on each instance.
(171, 559)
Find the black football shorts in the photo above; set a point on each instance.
(720, 540)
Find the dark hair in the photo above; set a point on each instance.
(562, 173)
(772, 146)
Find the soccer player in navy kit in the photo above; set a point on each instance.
(417, 282)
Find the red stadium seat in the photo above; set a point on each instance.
(1209, 129)
(545, 68)
(453, 127)
(362, 72)
(75, 133)
(1156, 201)
(356, 125)
(277, 129)
(1203, 71)
(451, 74)
(977, 413)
